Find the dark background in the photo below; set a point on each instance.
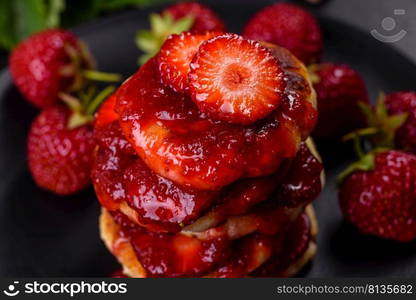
(44, 235)
(361, 14)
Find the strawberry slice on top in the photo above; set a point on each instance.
(176, 55)
(236, 80)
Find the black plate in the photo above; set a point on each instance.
(44, 235)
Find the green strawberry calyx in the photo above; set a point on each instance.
(85, 105)
(378, 136)
(382, 126)
(161, 26)
(81, 68)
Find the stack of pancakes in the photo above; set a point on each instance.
(157, 225)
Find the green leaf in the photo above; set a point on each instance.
(161, 26)
(394, 122)
(382, 126)
(56, 7)
(368, 112)
(182, 25)
(381, 110)
(7, 36)
(21, 18)
(146, 41)
(30, 17)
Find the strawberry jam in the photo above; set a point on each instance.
(302, 183)
(172, 255)
(121, 176)
(178, 255)
(293, 246)
(159, 204)
(189, 194)
(181, 143)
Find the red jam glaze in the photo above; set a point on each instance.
(139, 186)
(302, 183)
(162, 205)
(106, 114)
(172, 255)
(297, 89)
(112, 157)
(120, 175)
(182, 144)
(237, 199)
(293, 246)
(177, 255)
(160, 201)
(267, 218)
(248, 255)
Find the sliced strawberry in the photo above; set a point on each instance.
(167, 255)
(106, 114)
(176, 55)
(187, 250)
(235, 80)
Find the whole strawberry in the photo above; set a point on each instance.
(204, 18)
(51, 62)
(39, 65)
(289, 26)
(378, 195)
(404, 102)
(60, 158)
(339, 89)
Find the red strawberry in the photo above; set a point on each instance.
(176, 55)
(204, 18)
(404, 102)
(225, 83)
(60, 158)
(378, 195)
(39, 64)
(106, 114)
(289, 26)
(51, 62)
(339, 90)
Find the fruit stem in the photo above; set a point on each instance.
(78, 119)
(355, 136)
(365, 163)
(95, 103)
(101, 76)
(72, 102)
(357, 146)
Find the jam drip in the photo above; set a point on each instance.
(178, 255)
(123, 182)
(122, 179)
